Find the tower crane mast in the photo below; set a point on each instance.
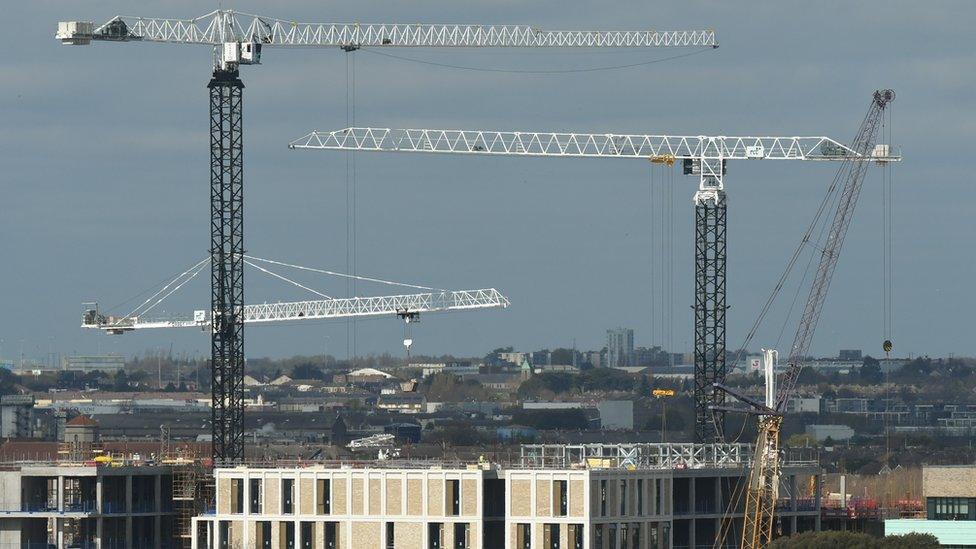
(704, 156)
(238, 39)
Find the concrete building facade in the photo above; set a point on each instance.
(640, 496)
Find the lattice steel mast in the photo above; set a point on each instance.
(704, 156)
(237, 39)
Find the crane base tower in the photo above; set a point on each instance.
(227, 265)
(710, 367)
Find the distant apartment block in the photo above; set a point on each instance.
(620, 347)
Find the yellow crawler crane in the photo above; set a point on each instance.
(762, 491)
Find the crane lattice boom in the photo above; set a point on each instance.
(585, 145)
(407, 304)
(223, 26)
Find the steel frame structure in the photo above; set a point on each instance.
(704, 156)
(222, 26)
(237, 39)
(406, 304)
(637, 455)
(710, 307)
(227, 264)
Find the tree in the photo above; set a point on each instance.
(850, 540)
(871, 371)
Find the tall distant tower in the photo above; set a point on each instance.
(620, 347)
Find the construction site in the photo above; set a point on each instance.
(223, 490)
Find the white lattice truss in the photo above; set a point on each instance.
(221, 26)
(406, 304)
(637, 456)
(584, 145)
(708, 152)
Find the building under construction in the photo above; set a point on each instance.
(599, 496)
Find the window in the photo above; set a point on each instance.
(287, 495)
(658, 485)
(603, 498)
(624, 535)
(287, 533)
(224, 530)
(390, 536)
(324, 504)
(623, 497)
(598, 536)
(640, 497)
(523, 536)
(462, 531)
(559, 498)
(575, 536)
(256, 499)
(951, 508)
(331, 535)
(453, 497)
(236, 495)
(550, 536)
(307, 529)
(263, 532)
(435, 535)
(635, 534)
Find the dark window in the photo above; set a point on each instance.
(461, 535)
(603, 498)
(390, 536)
(435, 535)
(623, 497)
(287, 495)
(560, 498)
(331, 535)
(454, 497)
(598, 536)
(307, 529)
(324, 503)
(576, 536)
(288, 535)
(264, 535)
(640, 497)
(224, 534)
(635, 534)
(658, 485)
(550, 534)
(256, 498)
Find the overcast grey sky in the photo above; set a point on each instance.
(105, 177)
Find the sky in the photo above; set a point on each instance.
(104, 155)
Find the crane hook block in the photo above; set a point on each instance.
(887, 346)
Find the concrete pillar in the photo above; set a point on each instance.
(98, 532)
(60, 493)
(98, 495)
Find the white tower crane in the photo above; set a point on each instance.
(238, 39)
(704, 156)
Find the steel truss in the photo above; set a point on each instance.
(227, 265)
(637, 456)
(710, 366)
(315, 310)
(221, 26)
